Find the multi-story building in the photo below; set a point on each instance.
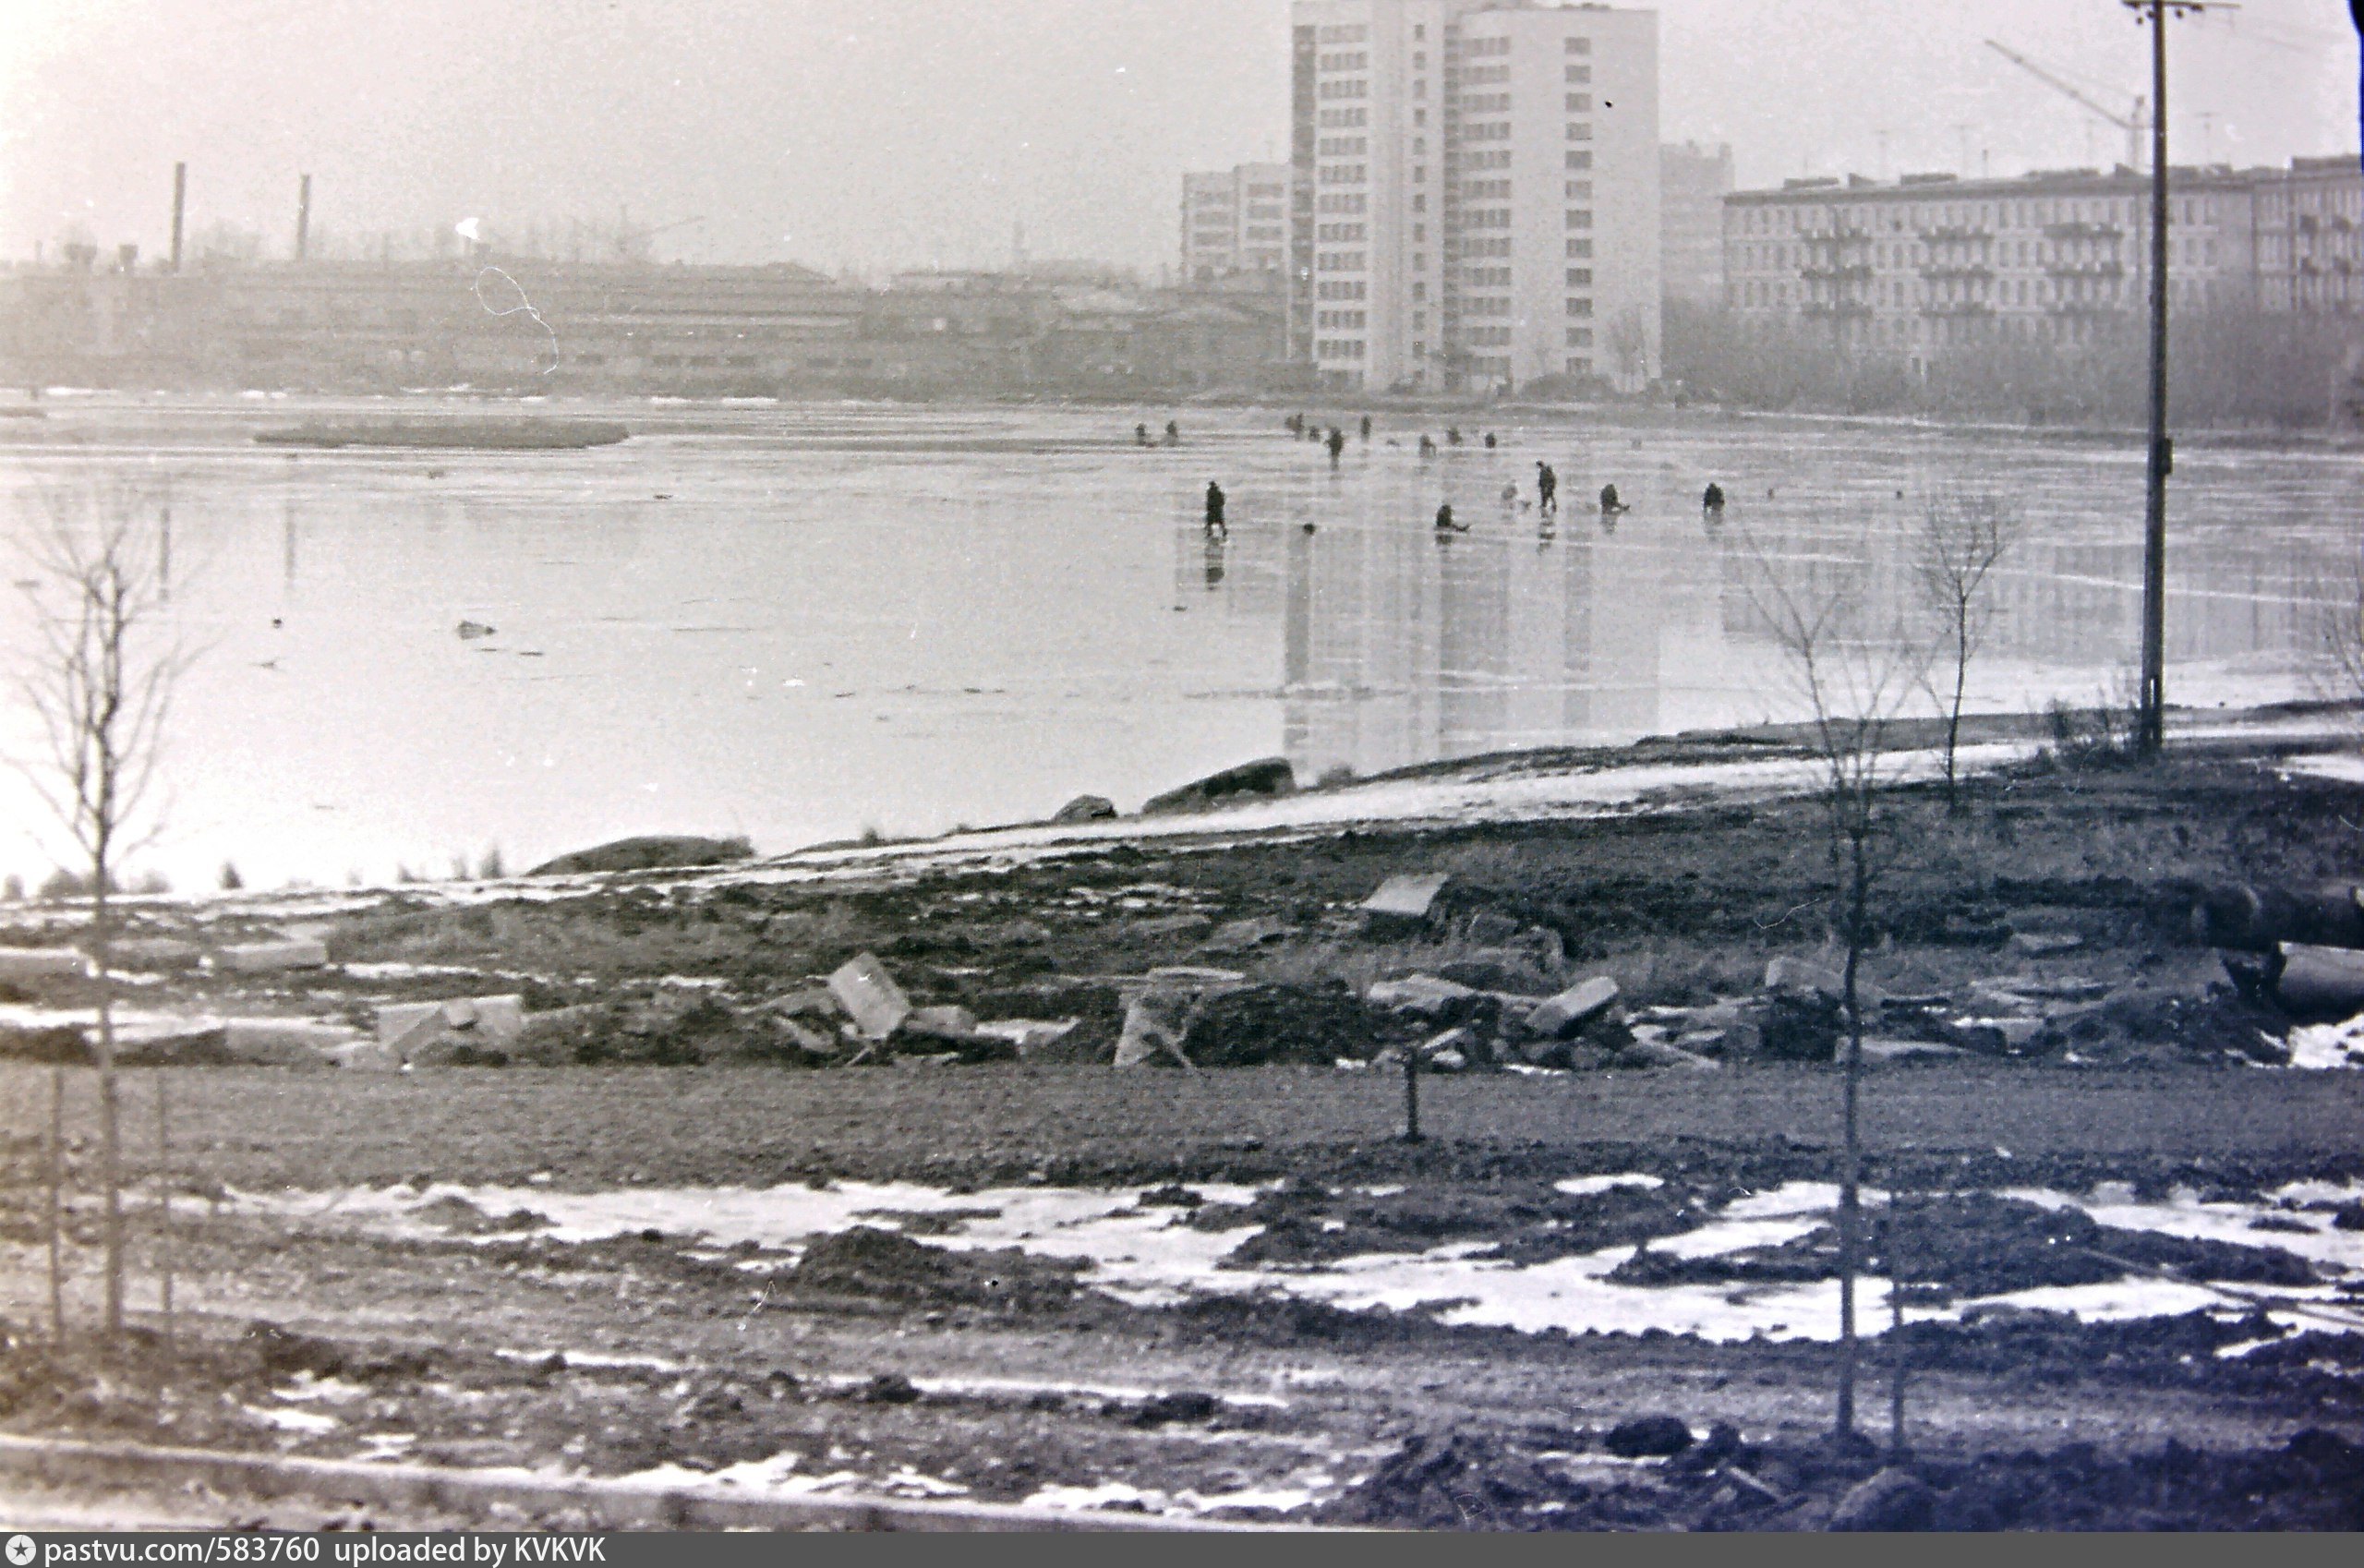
(1478, 200)
(1693, 182)
(1234, 221)
(1935, 262)
(2310, 237)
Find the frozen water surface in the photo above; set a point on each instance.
(836, 617)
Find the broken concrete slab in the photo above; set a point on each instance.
(869, 995)
(1908, 1050)
(804, 1037)
(1491, 928)
(1404, 900)
(155, 953)
(286, 1041)
(1028, 1035)
(1161, 1006)
(1086, 808)
(2320, 983)
(1424, 997)
(1156, 1023)
(41, 963)
(1263, 779)
(1659, 1054)
(1997, 1036)
(1788, 973)
(939, 1023)
(269, 958)
(362, 1055)
(1564, 1016)
(2044, 943)
(488, 1023)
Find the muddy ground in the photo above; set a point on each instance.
(880, 1359)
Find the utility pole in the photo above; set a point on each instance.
(2151, 723)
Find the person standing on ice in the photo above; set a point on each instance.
(1337, 444)
(1547, 488)
(1214, 507)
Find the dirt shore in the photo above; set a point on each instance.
(658, 1235)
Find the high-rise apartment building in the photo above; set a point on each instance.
(1234, 221)
(1693, 182)
(1476, 195)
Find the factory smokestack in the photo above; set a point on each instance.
(303, 217)
(180, 201)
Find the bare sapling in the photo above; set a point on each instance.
(97, 680)
(1853, 667)
(1963, 538)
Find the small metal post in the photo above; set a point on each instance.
(1411, 1097)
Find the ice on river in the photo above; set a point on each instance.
(1149, 1257)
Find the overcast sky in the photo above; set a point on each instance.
(877, 133)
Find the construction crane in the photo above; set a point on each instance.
(2136, 124)
(634, 244)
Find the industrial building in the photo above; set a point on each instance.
(1935, 262)
(1476, 194)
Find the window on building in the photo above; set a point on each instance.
(1580, 76)
(1578, 159)
(1580, 251)
(1580, 46)
(1580, 218)
(1579, 131)
(1580, 277)
(1579, 337)
(1580, 103)
(1580, 307)
(1579, 191)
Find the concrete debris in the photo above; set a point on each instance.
(1790, 973)
(268, 958)
(155, 953)
(807, 1039)
(2044, 943)
(1263, 779)
(482, 1023)
(1564, 1016)
(1907, 1050)
(39, 963)
(1028, 1035)
(1086, 808)
(288, 1042)
(1424, 997)
(1161, 1007)
(1404, 900)
(1644, 1053)
(363, 1056)
(1490, 928)
(2320, 983)
(869, 995)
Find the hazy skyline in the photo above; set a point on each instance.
(871, 134)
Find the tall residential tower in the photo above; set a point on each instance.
(1476, 194)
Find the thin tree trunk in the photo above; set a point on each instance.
(1851, 1167)
(164, 1206)
(1411, 1097)
(1896, 1357)
(53, 1220)
(110, 1129)
(1953, 718)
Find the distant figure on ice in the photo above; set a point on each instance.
(1445, 524)
(1714, 500)
(1510, 495)
(1610, 504)
(1453, 435)
(1428, 445)
(1490, 440)
(1141, 435)
(1366, 426)
(1214, 507)
(1337, 444)
(1547, 488)
(1295, 422)
(1173, 433)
